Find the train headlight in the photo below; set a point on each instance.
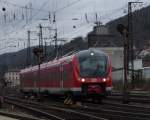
(104, 79)
(92, 53)
(83, 80)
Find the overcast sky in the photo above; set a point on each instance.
(70, 16)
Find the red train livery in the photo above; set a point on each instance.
(84, 73)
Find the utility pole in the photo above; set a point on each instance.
(41, 42)
(26, 14)
(28, 49)
(4, 10)
(55, 37)
(40, 37)
(96, 18)
(28, 57)
(40, 55)
(130, 43)
(130, 56)
(45, 50)
(56, 46)
(123, 30)
(30, 11)
(38, 51)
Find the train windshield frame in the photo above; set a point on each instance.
(92, 65)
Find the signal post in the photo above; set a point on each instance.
(38, 51)
(123, 30)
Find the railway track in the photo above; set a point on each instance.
(133, 97)
(52, 112)
(114, 110)
(106, 110)
(16, 116)
(133, 94)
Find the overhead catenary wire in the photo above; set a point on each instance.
(39, 10)
(22, 27)
(21, 6)
(28, 23)
(60, 9)
(36, 14)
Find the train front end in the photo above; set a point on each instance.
(94, 68)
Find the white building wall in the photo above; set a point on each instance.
(117, 75)
(12, 78)
(137, 64)
(116, 56)
(146, 73)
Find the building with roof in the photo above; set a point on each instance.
(12, 78)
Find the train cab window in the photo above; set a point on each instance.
(93, 66)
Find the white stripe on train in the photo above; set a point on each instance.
(57, 90)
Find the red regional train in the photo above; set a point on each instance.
(84, 73)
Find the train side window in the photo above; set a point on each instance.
(53, 75)
(49, 75)
(70, 71)
(56, 75)
(34, 76)
(64, 73)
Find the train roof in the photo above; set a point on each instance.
(47, 64)
(91, 50)
(62, 59)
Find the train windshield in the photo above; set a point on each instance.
(93, 65)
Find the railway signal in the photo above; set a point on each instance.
(131, 40)
(39, 54)
(123, 30)
(38, 51)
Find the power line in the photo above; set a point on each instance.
(20, 6)
(45, 3)
(69, 5)
(55, 11)
(28, 23)
(41, 10)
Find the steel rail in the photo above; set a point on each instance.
(104, 111)
(39, 112)
(82, 115)
(131, 99)
(16, 116)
